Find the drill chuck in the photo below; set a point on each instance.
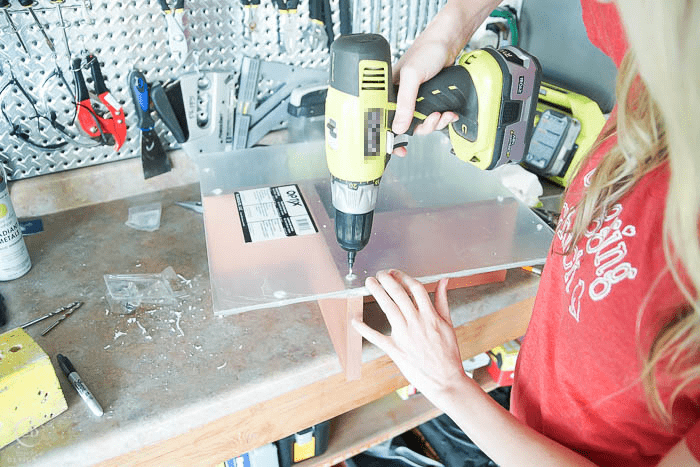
(353, 230)
(354, 211)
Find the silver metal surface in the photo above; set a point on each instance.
(132, 33)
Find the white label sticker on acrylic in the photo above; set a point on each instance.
(273, 213)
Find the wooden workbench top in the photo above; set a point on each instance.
(179, 385)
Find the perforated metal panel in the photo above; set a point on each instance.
(127, 34)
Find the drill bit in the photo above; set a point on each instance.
(351, 261)
(5, 4)
(63, 26)
(29, 5)
(48, 315)
(58, 321)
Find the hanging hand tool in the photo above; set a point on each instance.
(316, 32)
(288, 29)
(250, 18)
(5, 5)
(281, 6)
(493, 92)
(158, 96)
(177, 42)
(29, 5)
(96, 126)
(19, 130)
(328, 21)
(63, 26)
(153, 157)
(255, 119)
(118, 130)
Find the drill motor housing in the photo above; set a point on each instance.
(493, 92)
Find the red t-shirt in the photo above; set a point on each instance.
(578, 374)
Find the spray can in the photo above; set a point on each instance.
(14, 257)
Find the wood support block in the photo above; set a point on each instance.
(339, 312)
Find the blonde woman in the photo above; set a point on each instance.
(608, 371)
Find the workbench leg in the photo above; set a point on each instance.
(337, 314)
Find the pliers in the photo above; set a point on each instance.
(177, 42)
(287, 13)
(107, 130)
(321, 28)
(250, 17)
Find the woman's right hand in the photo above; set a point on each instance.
(436, 48)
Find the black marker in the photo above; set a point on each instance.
(78, 384)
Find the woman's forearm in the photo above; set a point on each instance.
(506, 440)
(459, 19)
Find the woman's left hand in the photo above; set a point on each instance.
(422, 343)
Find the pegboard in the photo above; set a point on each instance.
(128, 34)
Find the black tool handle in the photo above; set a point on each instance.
(180, 5)
(315, 10)
(292, 5)
(328, 21)
(139, 93)
(27, 3)
(164, 5)
(81, 87)
(450, 90)
(97, 77)
(166, 113)
(65, 364)
(4, 3)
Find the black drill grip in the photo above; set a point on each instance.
(450, 90)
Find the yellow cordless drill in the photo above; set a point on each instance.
(494, 93)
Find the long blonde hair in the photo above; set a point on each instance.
(658, 120)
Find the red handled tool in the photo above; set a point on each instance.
(110, 130)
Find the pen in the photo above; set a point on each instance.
(78, 384)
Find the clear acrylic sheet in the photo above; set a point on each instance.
(436, 217)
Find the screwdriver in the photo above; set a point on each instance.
(5, 4)
(63, 25)
(29, 5)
